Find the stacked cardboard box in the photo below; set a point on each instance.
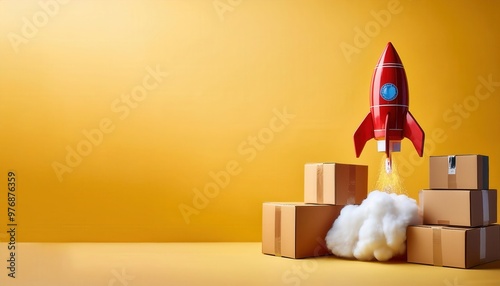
(298, 230)
(459, 211)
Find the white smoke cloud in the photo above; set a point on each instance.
(374, 229)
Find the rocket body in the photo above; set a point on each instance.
(389, 120)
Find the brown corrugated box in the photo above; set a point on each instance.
(297, 230)
(466, 172)
(336, 184)
(453, 246)
(469, 208)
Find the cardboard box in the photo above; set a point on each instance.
(336, 184)
(468, 208)
(466, 172)
(296, 230)
(453, 246)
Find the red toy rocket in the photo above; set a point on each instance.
(389, 120)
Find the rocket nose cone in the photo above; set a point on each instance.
(389, 56)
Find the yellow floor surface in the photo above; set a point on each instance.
(149, 264)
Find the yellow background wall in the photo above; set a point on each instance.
(117, 115)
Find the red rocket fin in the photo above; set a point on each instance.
(387, 140)
(414, 132)
(388, 150)
(363, 134)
